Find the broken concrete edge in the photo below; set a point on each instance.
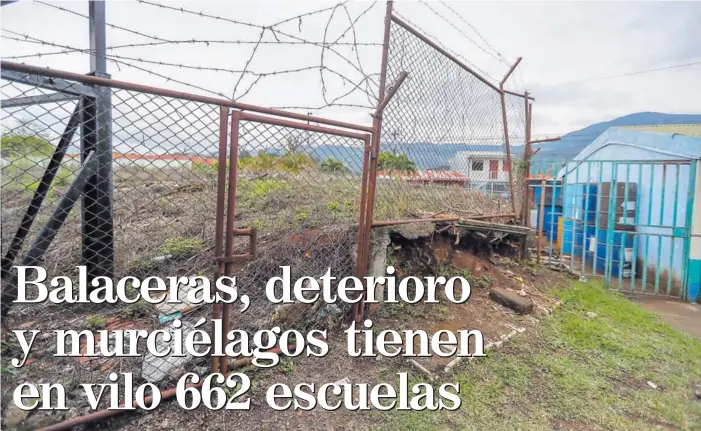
(489, 346)
(511, 300)
(378, 263)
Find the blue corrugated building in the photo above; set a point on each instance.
(646, 185)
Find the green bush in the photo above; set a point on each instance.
(17, 145)
(388, 161)
(181, 247)
(333, 166)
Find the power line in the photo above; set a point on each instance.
(639, 72)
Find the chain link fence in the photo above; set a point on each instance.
(129, 183)
(301, 191)
(442, 141)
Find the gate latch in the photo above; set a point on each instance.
(252, 234)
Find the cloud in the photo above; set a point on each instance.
(560, 42)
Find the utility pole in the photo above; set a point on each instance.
(97, 211)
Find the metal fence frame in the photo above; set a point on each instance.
(569, 184)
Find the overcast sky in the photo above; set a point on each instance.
(561, 43)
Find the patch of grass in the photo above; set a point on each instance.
(583, 372)
(94, 322)
(141, 267)
(181, 247)
(340, 209)
(259, 188)
(301, 215)
(287, 364)
(138, 309)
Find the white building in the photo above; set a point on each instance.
(482, 166)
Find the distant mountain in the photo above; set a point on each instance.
(572, 143)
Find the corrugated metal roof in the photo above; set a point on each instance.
(480, 154)
(679, 129)
(427, 175)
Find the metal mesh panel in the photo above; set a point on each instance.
(301, 191)
(163, 178)
(165, 173)
(442, 137)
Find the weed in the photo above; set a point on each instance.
(257, 223)
(259, 188)
(301, 215)
(287, 364)
(138, 309)
(340, 209)
(181, 247)
(586, 372)
(485, 281)
(141, 267)
(94, 322)
(333, 166)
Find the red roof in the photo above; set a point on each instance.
(167, 157)
(421, 176)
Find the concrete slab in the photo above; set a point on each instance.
(683, 316)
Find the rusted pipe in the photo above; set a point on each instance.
(230, 216)
(538, 141)
(502, 95)
(390, 94)
(508, 151)
(244, 116)
(508, 74)
(94, 80)
(360, 246)
(374, 153)
(221, 199)
(106, 413)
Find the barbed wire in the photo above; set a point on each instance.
(439, 43)
(350, 71)
(364, 85)
(469, 39)
(32, 39)
(259, 75)
(476, 32)
(274, 32)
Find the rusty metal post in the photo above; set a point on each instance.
(221, 201)
(360, 249)
(527, 164)
(374, 153)
(230, 230)
(525, 200)
(502, 95)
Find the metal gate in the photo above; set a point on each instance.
(299, 191)
(626, 221)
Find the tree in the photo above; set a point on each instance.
(388, 161)
(333, 166)
(17, 145)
